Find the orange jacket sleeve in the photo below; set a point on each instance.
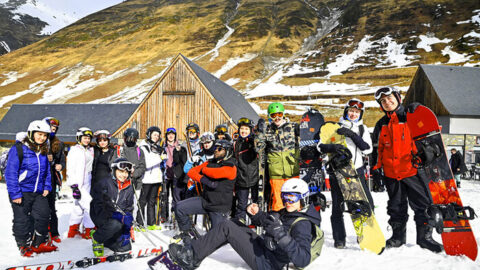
(228, 172)
(194, 172)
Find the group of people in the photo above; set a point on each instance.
(214, 175)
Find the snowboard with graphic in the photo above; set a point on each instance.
(369, 234)
(448, 209)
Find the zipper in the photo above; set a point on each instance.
(38, 174)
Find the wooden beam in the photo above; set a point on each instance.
(178, 93)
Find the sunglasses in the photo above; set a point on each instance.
(171, 130)
(244, 121)
(275, 115)
(385, 91)
(290, 197)
(356, 103)
(124, 165)
(219, 148)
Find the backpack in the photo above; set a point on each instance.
(4, 157)
(317, 241)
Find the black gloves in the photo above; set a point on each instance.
(275, 229)
(412, 107)
(346, 132)
(309, 153)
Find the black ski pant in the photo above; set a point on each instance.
(32, 215)
(178, 191)
(51, 197)
(363, 180)
(109, 234)
(410, 190)
(243, 240)
(167, 189)
(148, 197)
(192, 206)
(241, 193)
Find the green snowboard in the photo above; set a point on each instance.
(369, 235)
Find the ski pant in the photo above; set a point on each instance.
(148, 197)
(109, 233)
(81, 214)
(178, 191)
(338, 225)
(53, 223)
(168, 186)
(32, 215)
(241, 193)
(192, 206)
(410, 190)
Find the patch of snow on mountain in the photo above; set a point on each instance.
(427, 40)
(11, 77)
(232, 62)
(455, 57)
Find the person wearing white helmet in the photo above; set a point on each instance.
(292, 235)
(79, 178)
(28, 180)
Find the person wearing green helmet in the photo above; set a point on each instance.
(280, 142)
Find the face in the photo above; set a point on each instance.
(277, 118)
(121, 175)
(53, 128)
(85, 140)
(454, 151)
(292, 207)
(244, 131)
(155, 136)
(192, 135)
(219, 153)
(389, 103)
(207, 145)
(171, 137)
(39, 137)
(353, 113)
(102, 143)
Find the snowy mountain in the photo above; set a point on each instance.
(301, 52)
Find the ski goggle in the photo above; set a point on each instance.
(385, 91)
(355, 103)
(290, 197)
(87, 133)
(124, 165)
(206, 139)
(192, 130)
(244, 121)
(221, 130)
(54, 122)
(275, 115)
(171, 130)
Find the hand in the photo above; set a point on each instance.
(196, 158)
(163, 156)
(253, 209)
(50, 157)
(412, 107)
(274, 227)
(76, 194)
(309, 153)
(346, 132)
(45, 193)
(58, 167)
(17, 201)
(178, 147)
(339, 147)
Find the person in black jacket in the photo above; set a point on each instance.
(56, 157)
(103, 156)
(457, 165)
(179, 186)
(111, 209)
(288, 235)
(247, 168)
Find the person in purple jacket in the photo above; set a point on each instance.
(28, 179)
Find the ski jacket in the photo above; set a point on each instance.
(297, 250)
(136, 156)
(79, 166)
(247, 162)
(357, 153)
(169, 162)
(456, 163)
(153, 172)
(101, 207)
(203, 157)
(281, 145)
(33, 175)
(218, 181)
(396, 148)
(107, 172)
(179, 159)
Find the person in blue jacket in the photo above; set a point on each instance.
(288, 235)
(28, 179)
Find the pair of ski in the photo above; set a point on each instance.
(90, 261)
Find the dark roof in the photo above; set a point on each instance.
(457, 87)
(232, 101)
(71, 116)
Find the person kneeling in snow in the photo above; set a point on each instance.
(111, 209)
(291, 235)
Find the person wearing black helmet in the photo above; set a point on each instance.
(112, 196)
(218, 178)
(103, 156)
(221, 133)
(247, 164)
(56, 157)
(133, 154)
(172, 169)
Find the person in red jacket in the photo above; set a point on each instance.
(396, 151)
(217, 177)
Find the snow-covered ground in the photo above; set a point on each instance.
(409, 256)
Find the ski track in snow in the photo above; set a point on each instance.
(409, 256)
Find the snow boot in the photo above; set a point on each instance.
(399, 236)
(425, 240)
(26, 251)
(96, 246)
(183, 256)
(73, 230)
(87, 233)
(339, 244)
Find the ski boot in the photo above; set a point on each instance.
(26, 251)
(185, 236)
(399, 236)
(73, 230)
(183, 256)
(96, 246)
(40, 245)
(86, 234)
(425, 240)
(56, 239)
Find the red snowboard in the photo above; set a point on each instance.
(457, 236)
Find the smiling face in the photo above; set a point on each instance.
(292, 207)
(121, 175)
(155, 136)
(244, 131)
(208, 144)
(353, 113)
(85, 140)
(102, 143)
(39, 137)
(171, 136)
(389, 103)
(219, 153)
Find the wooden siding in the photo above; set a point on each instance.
(178, 98)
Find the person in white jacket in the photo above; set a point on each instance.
(79, 177)
(153, 177)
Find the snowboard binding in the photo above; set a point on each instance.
(428, 153)
(340, 159)
(438, 213)
(357, 208)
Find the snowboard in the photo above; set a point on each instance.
(452, 216)
(369, 234)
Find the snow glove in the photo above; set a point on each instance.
(126, 219)
(331, 148)
(76, 194)
(309, 153)
(357, 140)
(274, 228)
(196, 158)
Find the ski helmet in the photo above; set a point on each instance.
(152, 129)
(354, 103)
(37, 126)
(221, 129)
(122, 164)
(102, 134)
(171, 130)
(275, 107)
(244, 121)
(295, 188)
(207, 137)
(130, 136)
(84, 131)
(386, 91)
(192, 126)
(227, 145)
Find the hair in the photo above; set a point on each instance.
(454, 149)
(42, 148)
